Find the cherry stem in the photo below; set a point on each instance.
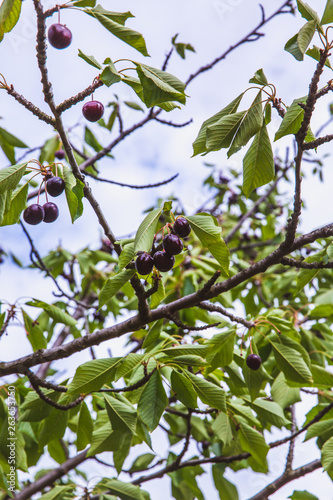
(58, 7)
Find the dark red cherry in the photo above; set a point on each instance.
(144, 263)
(60, 154)
(33, 214)
(51, 212)
(172, 244)
(163, 261)
(253, 361)
(181, 227)
(59, 36)
(93, 110)
(55, 186)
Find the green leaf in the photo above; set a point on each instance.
(199, 145)
(126, 255)
(145, 234)
(321, 377)
(221, 133)
(84, 3)
(305, 35)
(307, 12)
(153, 401)
(141, 463)
(181, 47)
(258, 163)
(91, 140)
(9, 15)
(34, 332)
(319, 428)
(315, 54)
(104, 439)
(11, 176)
(92, 375)
(222, 428)
(125, 491)
(292, 120)
(259, 78)
(227, 490)
(74, 194)
(118, 17)
(90, 59)
(133, 105)
(304, 277)
(58, 493)
(159, 86)
(209, 393)
(109, 74)
(251, 124)
(269, 411)
(221, 349)
(59, 315)
(114, 284)
(129, 363)
(293, 48)
(53, 427)
(189, 360)
(181, 350)
(327, 455)
(127, 35)
(209, 233)
(253, 442)
(85, 427)
(17, 205)
(328, 13)
(122, 416)
(302, 495)
(49, 148)
(283, 394)
(291, 364)
(10, 138)
(183, 389)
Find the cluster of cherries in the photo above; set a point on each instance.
(164, 260)
(54, 186)
(60, 37)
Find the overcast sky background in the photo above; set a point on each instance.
(155, 152)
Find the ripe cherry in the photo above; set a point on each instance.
(51, 212)
(172, 244)
(33, 214)
(60, 154)
(55, 186)
(181, 227)
(93, 110)
(163, 261)
(253, 361)
(144, 263)
(59, 36)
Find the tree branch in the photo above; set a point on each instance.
(219, 309)
(49, 478)
(286, 478)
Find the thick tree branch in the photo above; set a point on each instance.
(49, 478)
(285, 479)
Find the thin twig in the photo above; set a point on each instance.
(132, 186)
(219, 309)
